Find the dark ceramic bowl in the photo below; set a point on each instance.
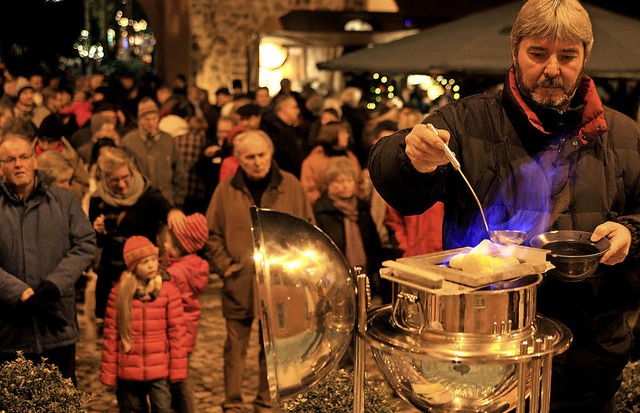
(573, 253)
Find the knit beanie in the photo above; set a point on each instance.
(97, 121)
(147, 106)
(135, 249)
(21, 84)
(50, 129)
(195, 234)
(174, 125)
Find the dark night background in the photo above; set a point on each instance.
(33, 31)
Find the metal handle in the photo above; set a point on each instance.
(405, 307)
(364, 300)
(454, 161)
(447, 151)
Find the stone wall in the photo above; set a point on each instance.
(222, 31)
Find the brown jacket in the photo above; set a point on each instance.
(230, 238)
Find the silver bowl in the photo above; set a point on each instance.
(440, 372)
(507, 236)
(573, 254)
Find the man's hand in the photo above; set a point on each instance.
(210, 151)
(48, 291)
(620, 239)
(48, 313)
(425, 148)
(232, 269)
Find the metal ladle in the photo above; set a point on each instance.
(500, 236)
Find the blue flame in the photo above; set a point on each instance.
(523, 202)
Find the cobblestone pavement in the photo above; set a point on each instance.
(205, 370)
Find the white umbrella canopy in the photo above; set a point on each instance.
(479, 43)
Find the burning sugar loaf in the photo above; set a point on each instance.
(486, 257)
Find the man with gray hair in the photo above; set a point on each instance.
(156, 153)
(542, 154)
(258, 181)
(46, 242)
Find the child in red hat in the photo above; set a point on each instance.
(190, 273)
(143, 348)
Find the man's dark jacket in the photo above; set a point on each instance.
(331, 221)
(46, 237)
(539, 170)
(286, 142)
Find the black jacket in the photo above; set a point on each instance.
(45, 237)
(538, 170)
(331, 220)
(142, 218)
(286, 142)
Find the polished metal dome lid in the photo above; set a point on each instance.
(307, 301)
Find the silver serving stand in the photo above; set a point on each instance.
(442, 346)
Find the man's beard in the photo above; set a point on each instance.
(559, 103)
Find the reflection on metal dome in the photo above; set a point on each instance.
(480, 349)
(307, 301)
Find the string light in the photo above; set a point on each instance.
(435, 87)
(134, 37)
(86, 50)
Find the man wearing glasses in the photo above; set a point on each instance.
(46, 242)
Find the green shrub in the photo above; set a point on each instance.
(334, 394)
(628, 397)
(26, 387)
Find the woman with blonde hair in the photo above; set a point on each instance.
(143, 348)
(124, 204)
(345, 217)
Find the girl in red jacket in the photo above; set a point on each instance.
(190, 273)
(143, 347)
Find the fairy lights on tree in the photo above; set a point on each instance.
(114, 33)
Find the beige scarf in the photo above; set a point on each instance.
(136, 189)
(354, 250)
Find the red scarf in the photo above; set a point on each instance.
(593, 123)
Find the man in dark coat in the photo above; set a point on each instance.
(46, 242)
(280, 125)
(542, 154)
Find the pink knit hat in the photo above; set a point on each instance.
(136, 248)
(195, 234)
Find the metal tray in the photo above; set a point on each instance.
(431, 271)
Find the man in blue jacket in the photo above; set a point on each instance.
(46, 242)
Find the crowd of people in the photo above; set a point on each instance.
(149, 185)
(157, 186)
